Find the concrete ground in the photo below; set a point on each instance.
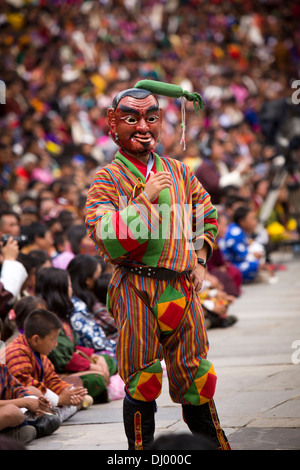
(257, 361)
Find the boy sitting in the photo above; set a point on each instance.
(26, 359)
(15, 402)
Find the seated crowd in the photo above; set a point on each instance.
(62, 68)
(59, 339)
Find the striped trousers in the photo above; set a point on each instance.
(161, 320)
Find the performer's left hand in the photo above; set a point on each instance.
(197, 277)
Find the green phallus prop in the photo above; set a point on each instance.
(172, 91)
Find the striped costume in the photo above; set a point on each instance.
(30, 369)
(10, 387)
(156, 318)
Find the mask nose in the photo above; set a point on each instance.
(143, 125)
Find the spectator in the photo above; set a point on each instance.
(26, 358)
(260, 191)
(12, 278)
(43, 260)
(28, 216)
(13, 422)
(68, 197)
(22, 415)
(54, 225)
(63, 254)
(226, 272)
(46, 203)
(281, 226)
(248, 257)
(79, 241)
(27, 165)
(101, 314)
(33, 261)
(232, 203)
(71, 241)
(9, 223)
(27, 201)
(84, 270)
(213, 172)
(43, 171)
(39, 238)
(182, 441)
(23, 307)
(54, 286)
(215, 304)
(7, 443)
(67, 219)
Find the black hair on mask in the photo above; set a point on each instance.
(133, 92)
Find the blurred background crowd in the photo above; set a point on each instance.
(62, 62)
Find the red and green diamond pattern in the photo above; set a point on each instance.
(169, 309)
(203, 388)
(146, 384)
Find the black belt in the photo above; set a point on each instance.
(162, 274)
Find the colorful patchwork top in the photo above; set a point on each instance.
(127, 228)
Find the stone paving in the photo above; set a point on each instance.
(257, 361)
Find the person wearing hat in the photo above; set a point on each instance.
(150, 217)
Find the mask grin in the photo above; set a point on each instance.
(144, 139)
(137, 123)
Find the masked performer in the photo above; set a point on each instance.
(150, 217)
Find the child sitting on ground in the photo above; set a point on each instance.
(69, 358)
(15, 402)
(240, 248)
(26, 359)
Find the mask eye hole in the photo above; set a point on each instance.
(152, 118)
(130, 120)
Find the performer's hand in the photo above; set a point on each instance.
(197, 277)
(157, 182)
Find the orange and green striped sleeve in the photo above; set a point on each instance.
(203, 209)
(116, 226)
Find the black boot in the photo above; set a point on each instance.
(203, 420)
(139, 423)
(45, 425)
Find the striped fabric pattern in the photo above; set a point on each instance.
(10, 387)
(165, 234)
(142, 342)
(23, 365)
